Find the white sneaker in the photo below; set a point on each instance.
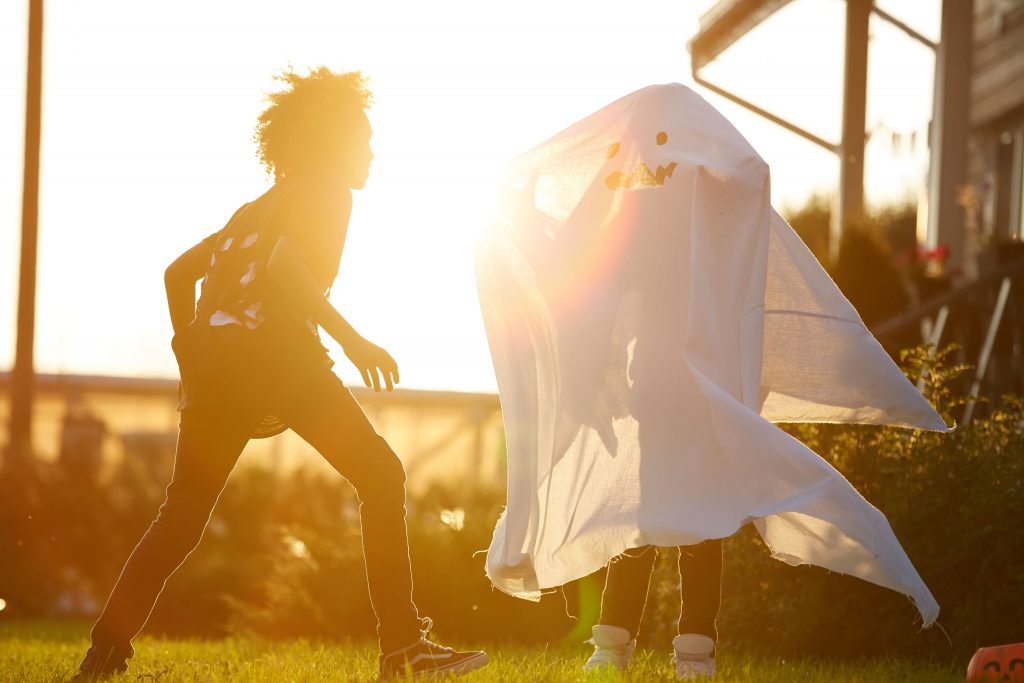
(692, 657)
(612, 647)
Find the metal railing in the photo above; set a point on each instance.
(985, 319)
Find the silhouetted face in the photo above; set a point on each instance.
(355, 163)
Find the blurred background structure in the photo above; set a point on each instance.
(19, 437)
(970, 220)
(92, 424)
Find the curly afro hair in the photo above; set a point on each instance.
(305, 123)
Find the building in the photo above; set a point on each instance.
(996, 157)
(974, 204)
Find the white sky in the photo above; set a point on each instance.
(149, 111)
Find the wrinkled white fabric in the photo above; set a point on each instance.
(650, 316)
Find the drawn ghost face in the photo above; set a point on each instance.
(642, 175)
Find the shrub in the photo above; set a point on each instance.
(282, 557)
(955, 501)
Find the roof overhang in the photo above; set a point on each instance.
(726, 22)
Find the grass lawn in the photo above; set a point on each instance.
(45, 651)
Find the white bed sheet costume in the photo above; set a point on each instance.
(650, 315)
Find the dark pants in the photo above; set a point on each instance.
(315, 404)
(629, 577)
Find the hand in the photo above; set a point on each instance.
(372, 361)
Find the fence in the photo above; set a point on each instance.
(101, 420)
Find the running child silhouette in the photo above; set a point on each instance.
(252, 365)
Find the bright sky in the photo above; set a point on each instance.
(149, 111)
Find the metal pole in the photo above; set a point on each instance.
(882, 14)
(764, 113)
(986, 350)
(932, 338)
(950, 128)
(851, 154)
(23, 375)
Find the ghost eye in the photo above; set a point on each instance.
(994, 666)
(613, 150)
(1014, 662)
(662, 138)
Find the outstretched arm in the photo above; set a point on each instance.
(289, 271)
(180, 282)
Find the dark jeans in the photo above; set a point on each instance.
(629, 577)
(316, 405)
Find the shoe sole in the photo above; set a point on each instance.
(464, 666)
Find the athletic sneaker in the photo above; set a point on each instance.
(99, 664)
(612, 647)
(424, 658)
(692, 657)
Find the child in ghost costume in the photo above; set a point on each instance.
(650, 316)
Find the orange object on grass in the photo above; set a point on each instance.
(999, 663)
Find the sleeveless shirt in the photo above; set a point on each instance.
(239, 303)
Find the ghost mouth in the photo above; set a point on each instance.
(642, 176)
